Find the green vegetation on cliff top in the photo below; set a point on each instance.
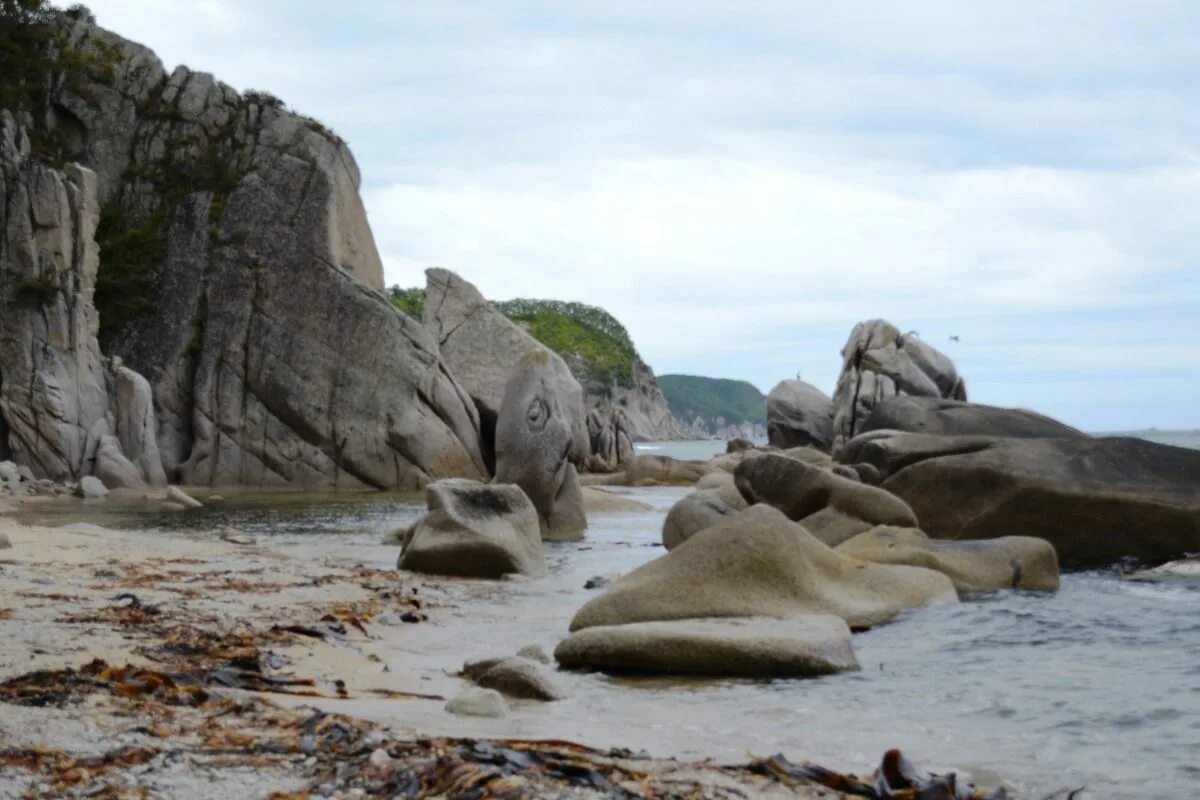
(691, 396)
(592, 342)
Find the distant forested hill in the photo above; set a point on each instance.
(691, 396)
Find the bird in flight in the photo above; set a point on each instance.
(954, 338)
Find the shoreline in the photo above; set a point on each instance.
(312, 630)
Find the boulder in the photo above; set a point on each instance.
(247, 290)
(799, 490)
(738, 444)
(476, 702)
(808, 455)
(9, 472)
(601, 501)
(535, 441)
(475, 530)
(878, 363)
(91, 488)
(1007, 562)
(936, 415)
(520, 678)
(761, 564)
(834, 527)
(799, 415)
(114, 468)
(1096, 500)
(695, 512)
(136, 428)
(650, 469)
(723, 484)
(483, 348)
(177, 495)
(804, 646)
(611, 446)
(5, 542)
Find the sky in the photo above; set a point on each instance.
(741, 182)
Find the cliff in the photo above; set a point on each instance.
(716, 407)
(236, 272)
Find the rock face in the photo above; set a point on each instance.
(818, 644)
(535, 439)
(761, 564)
(1095, 500)
(483, 347)
(611, 445)
(955, 418)
(648, 418)
(238, 275)
(61, 402)
(879, 362)
(475, 530)
(1009, 562)
(799, 415)
(801, 490)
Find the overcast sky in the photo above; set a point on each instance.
(740, 182)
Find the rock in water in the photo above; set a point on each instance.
(954, 418)
(1008, 562)
(91, 488)
(800, 490)
(521, 678)
(761, 564)
(1096, 500)
(177, 495)
(799, 415)
(878, 362)
(806, 646)
(535, 442)
(476, 702)
(695, 512)
(475, 530)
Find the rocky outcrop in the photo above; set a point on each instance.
(65, 411)
(611, 445)
(238, 275)
(536, 437)
(1008, 562)
(761, 564)
(799, 415)
(808, 646)
(648, 418)
(879, 362)
(475, 530)
(803, 491)
(943, 417)
(1096, 500)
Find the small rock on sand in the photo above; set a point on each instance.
(534, 653)
(521, 678)
(5, 542)
(234, 536)
(477, 702)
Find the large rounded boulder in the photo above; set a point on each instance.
(1097, 500)
(475, 530)
(1008, 562)
(761, 564)
(536, 439)
(799, 415)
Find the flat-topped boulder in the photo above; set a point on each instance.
(1007, 562)
(799, 414)
(536, 442)
(944, 417)
(799, 489)
(475, 530)
(806, 646)
(665, 470)
(759, 563)
(1096, 500)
